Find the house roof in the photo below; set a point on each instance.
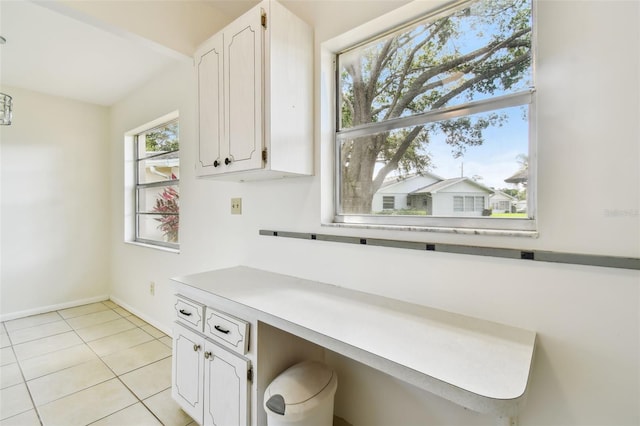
(520, 176)
(435, 187)
(504, 194)
(392, 180)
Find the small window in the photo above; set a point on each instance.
(388, 202)
(157, 192)
(439, 107)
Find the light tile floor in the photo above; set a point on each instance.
(95, 364)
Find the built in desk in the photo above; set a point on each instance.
(478, 364)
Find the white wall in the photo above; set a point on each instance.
(586, 370)
(208, 235)
(55, 204)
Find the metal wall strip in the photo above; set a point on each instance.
(530, 255)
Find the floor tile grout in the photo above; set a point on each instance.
(140, 324)
(24, 382)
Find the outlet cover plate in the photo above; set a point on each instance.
(236, 206)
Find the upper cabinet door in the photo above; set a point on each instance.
(243, 71)
(255, 97)
(209, 65)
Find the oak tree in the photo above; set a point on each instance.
(476, 52)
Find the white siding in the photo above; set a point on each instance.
(400, 191)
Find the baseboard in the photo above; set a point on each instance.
(51, 308)
(142, 316)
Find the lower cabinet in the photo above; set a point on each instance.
(210, 383)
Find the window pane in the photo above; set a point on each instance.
(157, 204)
(468, 204)
(161, 139)
(388, 202)
(158, 228)
(160, 168)
(477, 52)
(158, 213)
(159, 199)
(433, 167)
(458, 204)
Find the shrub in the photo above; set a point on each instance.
(170, 221)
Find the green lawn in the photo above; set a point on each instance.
(509, 215)
(410, 212)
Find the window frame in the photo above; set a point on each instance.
(525, 226)
(137, 187)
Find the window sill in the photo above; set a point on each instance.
(152, 246)
(444, 230)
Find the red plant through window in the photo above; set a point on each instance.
(167, 206)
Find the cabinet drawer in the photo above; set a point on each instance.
(189, 312)
(229, 331)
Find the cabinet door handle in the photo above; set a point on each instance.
(227, 161)
(220, 329)
(185, 313)
(208, 355)
(216, 163)
(196, 348)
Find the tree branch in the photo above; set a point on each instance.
(417, 87)
(469, 83)
(409, 62)
(393, 163)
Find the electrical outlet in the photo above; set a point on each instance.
(236, 206)
(152, 288)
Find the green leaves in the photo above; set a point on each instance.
(473, 54)
(163, 139)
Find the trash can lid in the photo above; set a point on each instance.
(298, 384)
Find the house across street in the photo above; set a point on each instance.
(437, 196)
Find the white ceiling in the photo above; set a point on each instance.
(55, 54)
(98, 51)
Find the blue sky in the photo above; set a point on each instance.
(494, 160)
(497, 158)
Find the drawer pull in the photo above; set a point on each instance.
(220, 329)
(185, 313)
(208, 355)
(196, 348)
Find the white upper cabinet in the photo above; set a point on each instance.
(255, 97)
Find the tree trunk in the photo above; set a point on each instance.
(357, 177)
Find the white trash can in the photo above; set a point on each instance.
(302, 395)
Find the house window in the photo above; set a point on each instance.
(468, 204)
(157, 176)
(479, 204)
(388, 202)
(458, 204)
(450, 94)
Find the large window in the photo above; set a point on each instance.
(157, 194)
(439, 110)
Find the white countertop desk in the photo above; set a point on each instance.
(478, 364)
